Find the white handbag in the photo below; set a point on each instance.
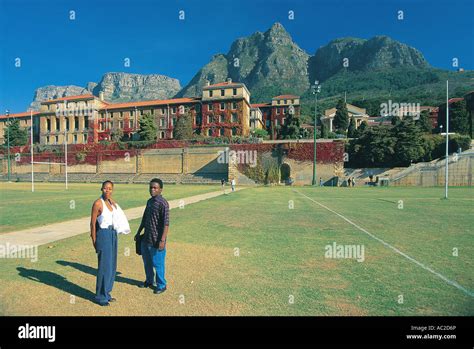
(120, 221)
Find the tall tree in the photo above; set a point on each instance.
(459, 118)
(409, 142)
(184, 126)
(17, 135)
(324, 130)
(424, 122)
(352, 131)
(291, 127)
(470, 110)
(116, 134)
(148, 128)
(341, 119)
(363, 127)
(395, 119)
(375, 147)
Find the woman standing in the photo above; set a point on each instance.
(104, 239)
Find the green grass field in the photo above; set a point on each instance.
(249, 253)
(51, 202)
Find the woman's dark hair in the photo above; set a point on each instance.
(157, 180)
(104, 183)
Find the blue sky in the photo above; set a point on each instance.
(55, 50)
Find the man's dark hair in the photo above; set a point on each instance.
(104, 183)
(157, 180)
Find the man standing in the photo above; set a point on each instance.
(155, 221)
(233, 184)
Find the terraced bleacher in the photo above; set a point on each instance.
(169, 178)
(114, 177)
(203, 178)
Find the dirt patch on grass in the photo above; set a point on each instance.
(345, 308)
(193, 286)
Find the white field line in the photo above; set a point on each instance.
(442, 277)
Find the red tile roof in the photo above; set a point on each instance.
(452, 100)
(286, 97)
(18, 115)
(69, 98)
(258, 105)
(220, 84)
(150, 103)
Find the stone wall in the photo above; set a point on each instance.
(193, 160)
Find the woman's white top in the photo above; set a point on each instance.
(105, 219)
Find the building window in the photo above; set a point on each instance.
(121, 124)
(121, 114)
(222, 93)
(47, 139)
(221, 131)
(76, 123)
(141, 112)
(56, 139)
(162, 122)
(284, 102)
(57, 124)
(132, 123)
(292, 101)
(209, 107)
(285, 110)
(277, 111)
(85, 138)
(234, 117)
(162, 111)
(221, 118)
(198, 108)
(173, 110)
(48, 125)
(86, 122)
(222, 106)
(75, 139)
(162, 135)
(234, 105)
(283, 121)
(209, 132)
(234, 91)
(234, 131)
(152, 111)
(210, 93)
(278, 102)
(173, 122)
(209, 119)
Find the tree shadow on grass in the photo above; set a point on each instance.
(93, 271)
(55, 280)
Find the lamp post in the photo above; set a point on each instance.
(316, 90)
(7, 113)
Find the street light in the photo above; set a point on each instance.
(7, 113)
(316, 89)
